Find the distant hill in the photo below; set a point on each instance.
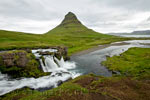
(145, 32)
(140, 32)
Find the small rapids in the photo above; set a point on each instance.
(61, 71)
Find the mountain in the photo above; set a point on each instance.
(70, 20)
(70, 33)
(71, 25)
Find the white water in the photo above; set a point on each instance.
(60, 71)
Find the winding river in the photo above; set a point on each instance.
(81, 63)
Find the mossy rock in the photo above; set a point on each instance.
(19, 63)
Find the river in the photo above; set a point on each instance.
(80, 64)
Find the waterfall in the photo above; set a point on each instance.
(59, 72)
(43, 66)
(60, 62)
(52, 63)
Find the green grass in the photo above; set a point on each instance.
(135, 62)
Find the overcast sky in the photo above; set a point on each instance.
(40, 16)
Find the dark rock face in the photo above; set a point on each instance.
(15, 59)
(69, 19)
(19, 63)
(62, 52)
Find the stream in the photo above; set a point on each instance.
(62, 71)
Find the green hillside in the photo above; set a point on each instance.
(71, 33)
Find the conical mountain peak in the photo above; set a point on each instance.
(70, 15)
(70, 18)
(70, 25)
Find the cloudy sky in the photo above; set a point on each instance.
(40, 16)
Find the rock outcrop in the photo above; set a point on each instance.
(61, 52)
(18, 59)
(19, 63)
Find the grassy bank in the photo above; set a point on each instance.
(135, 63)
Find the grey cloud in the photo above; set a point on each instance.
(140, 5)
(102, 15)
(148, 19)
(26, 9)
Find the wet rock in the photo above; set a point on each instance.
(46, 53)
(62, 51)
(59, 82)
(116, 72)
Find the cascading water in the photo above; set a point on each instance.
(60, 71)
(50, 64)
